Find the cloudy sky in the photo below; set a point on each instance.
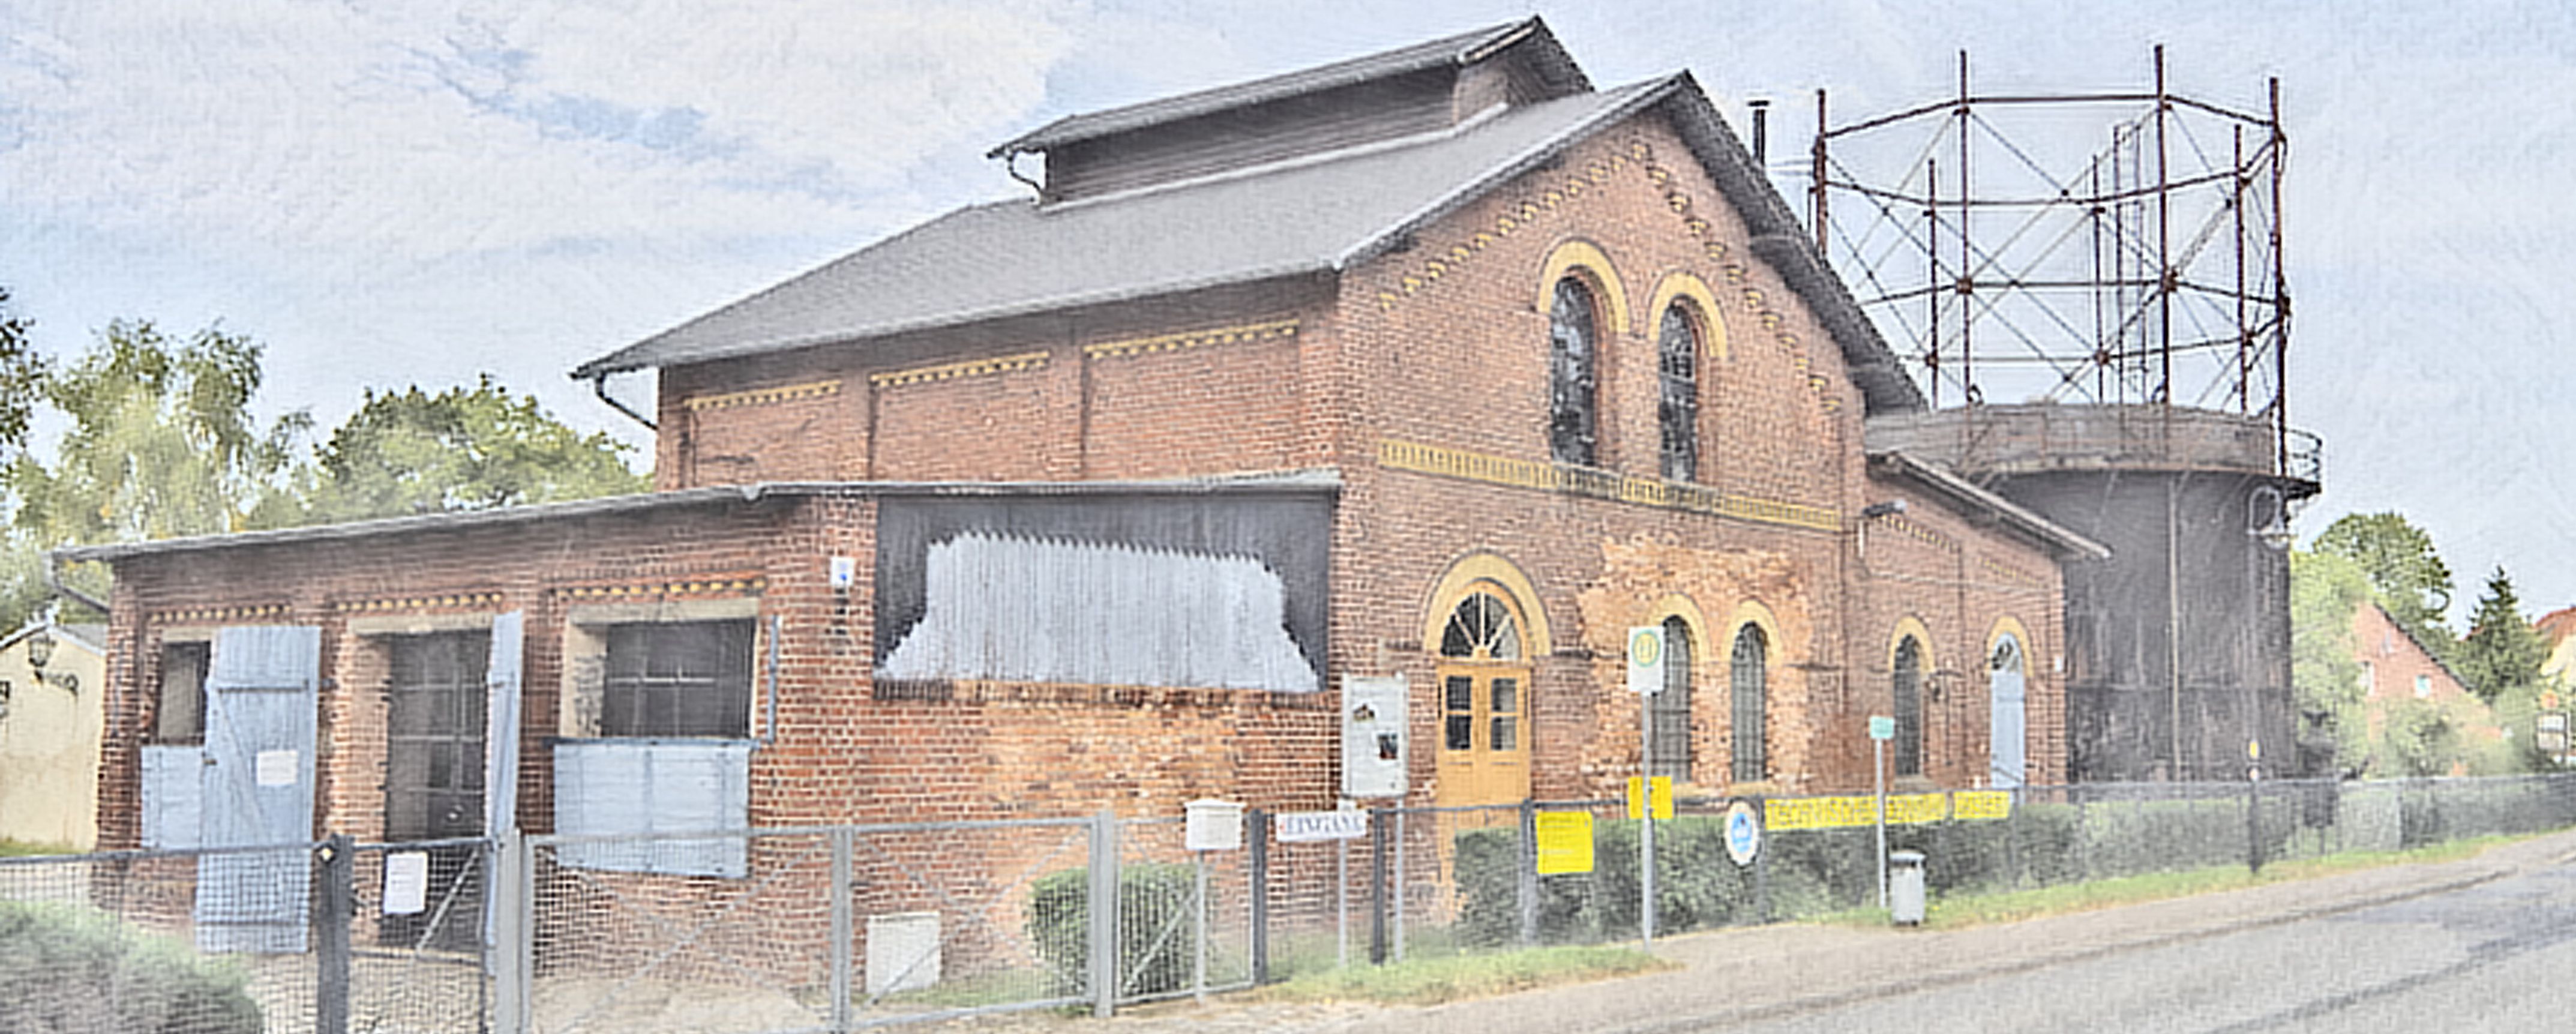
(391, 193)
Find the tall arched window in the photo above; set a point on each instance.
(1671, 709)
(1907, 680)
(1573, 390)
(1677, 350)
(1749, 679)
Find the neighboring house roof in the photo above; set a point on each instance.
(1462, 49)
(2555, 626)
(2438, 663)
(1313, 215)
(1295, 482)
(92, 638)
(2066, 541)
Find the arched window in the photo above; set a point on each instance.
(1907, 680)
(1671, 709)
(1481, 628)
(1677, 349)
(1573, 389)
(1749, 680)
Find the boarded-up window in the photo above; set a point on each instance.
(690, 678)
(179, 715)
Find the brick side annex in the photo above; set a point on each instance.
(1438, 364)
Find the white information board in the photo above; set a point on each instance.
(1375, 736)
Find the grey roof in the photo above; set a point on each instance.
(1016, 257)
(91, 637)
(2067, 541)
(1308, 216)
(1302, 481)
(1460, 49)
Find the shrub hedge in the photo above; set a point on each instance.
(65, 969)
(1153, 909)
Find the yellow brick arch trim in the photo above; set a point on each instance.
(1583, 255)
(1680, 606)
(1911, 625)
(2009, 626)
(1678, 285)
(1755, 614)
(1487, 568)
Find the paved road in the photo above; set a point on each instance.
(2489, 957)
(2477, 944)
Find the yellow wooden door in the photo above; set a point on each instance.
(1484, 683)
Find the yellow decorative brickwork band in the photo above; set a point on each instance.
(190, 614)
(765, 396)
(2010, 573)
(1192, 339)
(967, 368)
(1918, 532)
(694, 587)
(452, 602)
(1600, 484)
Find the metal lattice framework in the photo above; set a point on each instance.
(2013, 252)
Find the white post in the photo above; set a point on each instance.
(1646, 813)
(1342, 904)
(1198, 965)
(1878, 774)
(1399, 881)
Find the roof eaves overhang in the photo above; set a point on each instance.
(2066, 542)
(1300, 482)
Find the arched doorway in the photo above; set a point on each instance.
(1484, 682)
(2008, 721)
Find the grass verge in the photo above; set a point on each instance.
(1453, 978)
(1957, 911)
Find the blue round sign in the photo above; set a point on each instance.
(1743, 833)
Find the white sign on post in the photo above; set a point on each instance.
(1301, 827)
(1374, 732)
(1646, 660)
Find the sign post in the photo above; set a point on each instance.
(1646, 678)
(1881, 729)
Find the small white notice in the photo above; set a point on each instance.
(1300, 827)
(275, 767)
(406, 883)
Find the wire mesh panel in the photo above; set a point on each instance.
(416, 936)
(106, 942)
(1184, 916)
(963, 918)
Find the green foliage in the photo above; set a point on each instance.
(413, 452)
(1155, 935)
(2326, 589)
(22, 373)
(2503, 652)
(74, 969)
(161, 444)
(2399, 559)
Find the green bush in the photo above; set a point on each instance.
(74, 969)
(1156, 940)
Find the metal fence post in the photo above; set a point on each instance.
(1399, 884)
(1378, 831)
(1525, 876)
(1104, 914)
(1256, 822)
(513, 945)
(841, 929)
(2254, 826)
(2013, 802)
(1762, 871)
(339, 907)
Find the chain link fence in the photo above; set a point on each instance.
(848, 927)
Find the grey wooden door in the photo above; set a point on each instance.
(257, 789)
(2006, 728)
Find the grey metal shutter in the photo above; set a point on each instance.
(257, 789)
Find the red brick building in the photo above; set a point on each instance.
(1438, 364)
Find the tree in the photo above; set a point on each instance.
(2325, 674)
(2410, 578)
(161, 444)
(22, 372)
(411, 452)
(2502, 652)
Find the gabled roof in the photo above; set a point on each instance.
(1462, 49)
(2438, 663)
(90, 637)
(2067, 543)
(2555, 626)
(1320, 214)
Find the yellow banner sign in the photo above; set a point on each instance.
(1564, 842)
(1981, 804)
(1663, 797)
(1843, 812)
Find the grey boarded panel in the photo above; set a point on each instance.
(258, 789)
(171, 789)
(2008, 731)
(501, 724)
(650, 790)
(1289, 533)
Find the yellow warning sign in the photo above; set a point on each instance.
(1564, 842)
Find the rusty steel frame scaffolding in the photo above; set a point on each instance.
(1974, 276)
